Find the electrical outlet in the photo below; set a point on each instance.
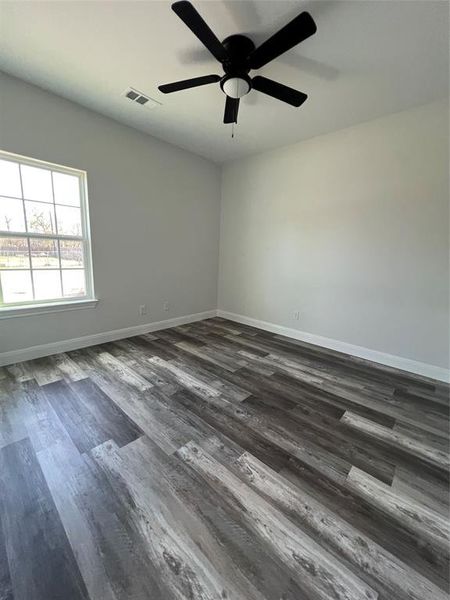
(166, 306)
(143, 309)
(296, 315)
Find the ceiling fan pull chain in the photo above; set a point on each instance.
(232, 130)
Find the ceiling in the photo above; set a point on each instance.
(368, 58)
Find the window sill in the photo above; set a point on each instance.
(41, 309)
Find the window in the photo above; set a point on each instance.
(45, 255)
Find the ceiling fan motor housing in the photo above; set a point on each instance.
(238, 48)
(236, 82)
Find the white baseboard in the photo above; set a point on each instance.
(390, 360)
(8, 358)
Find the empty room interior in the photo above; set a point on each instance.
(224, 300)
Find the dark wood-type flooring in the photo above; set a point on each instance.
(217, 461)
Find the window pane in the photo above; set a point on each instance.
(16, 286)
(44, 254)
(37, 184)
(40, 217)
(47, 285)
(9, 179)
(11, 215)
(14, 253)
(66, 188)
(71, 253)
(73, 282)
(69, 220)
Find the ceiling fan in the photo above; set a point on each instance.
(239, 56)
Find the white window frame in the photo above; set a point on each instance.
(56, 304)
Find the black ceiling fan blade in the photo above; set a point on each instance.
(278, 91)
(177, 86)
(290, 35)
(231, 110)
(190, 17)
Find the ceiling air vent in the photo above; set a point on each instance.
(139, 98)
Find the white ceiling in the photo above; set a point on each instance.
(368, 58)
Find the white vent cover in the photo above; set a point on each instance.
(138, 97)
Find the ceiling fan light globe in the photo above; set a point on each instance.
(236, 87)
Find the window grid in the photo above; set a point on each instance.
(58, 245)
(37, 201)
(54, 236)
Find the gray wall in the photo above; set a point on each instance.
(154, 215)
(349, 228)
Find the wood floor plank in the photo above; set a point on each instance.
(65, 472)
(109, 552)
(153, 347)
(387, 532)
(68, 368)
(12, 414)
(223, 326)
(43, 426)
(213, 376)
(438, 404)
(109, 379)
(424, 487)
(140, 407)
(170, 427)
(305, 423)
(222, 422)
(374, 403)
(311, 566)
(440, 395)
(62, 462)
(42, 564)
(137, 360)
(438, 458)
(204, 514)
(385, 573)
(19, 372)
(112, 420)
(120, 370)
(185, 379)
(213, 355)
(88, 415)
(183, 567)
(175, 335)
(44, 370)
(331, 465)
(434, 440)
(422, 521)
(316, 396)
(6, 591)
